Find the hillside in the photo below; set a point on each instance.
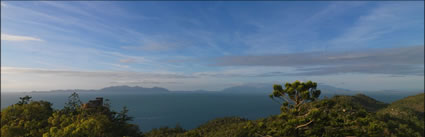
(412, 105)
(338, 116)
(370, 104)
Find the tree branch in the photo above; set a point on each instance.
(305, 114)
(303, 125)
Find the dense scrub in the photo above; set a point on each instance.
(37, 119)
(338, 116)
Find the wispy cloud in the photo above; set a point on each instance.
(9, 37)
(385, 19)
(28, 79)
(403, 61)
(153, 46)
(128, 60)
(3, 4)
(288, 33)
(206, 46)
(253, 71)
(118, 65)
(106, 74)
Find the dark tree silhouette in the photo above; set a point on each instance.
(74, 103)
(24, 100)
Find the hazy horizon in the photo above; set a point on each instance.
(187, 46)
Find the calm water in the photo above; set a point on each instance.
(153, 111)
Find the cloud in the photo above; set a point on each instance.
(29, 79)
(385, 19)
(3, 4)
(9, 37)
(118, 65)
(253, 71)
(156, 43)
(399, 61)
(393, 70)
(128, 60)
(153, 47)
(105, 74)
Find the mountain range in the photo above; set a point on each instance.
(241, 89)
(258, 88)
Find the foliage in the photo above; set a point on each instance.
(24, 100)
(366, 102)
(25, 119)
(166, 132)
(339, 116)
(407, 107)
(37, 118)
(296, 112)
(73, 104)
(221, 127)
(405, 117)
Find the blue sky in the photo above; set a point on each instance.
(211, 45)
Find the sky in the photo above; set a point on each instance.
(192, 45)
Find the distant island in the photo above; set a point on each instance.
(241, 89)
(263, 88)
(112, 89)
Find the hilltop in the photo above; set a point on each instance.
(407, 107)
(368, 103)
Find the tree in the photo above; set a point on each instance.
(26, 119)
(107, 104)
(122, 116)
(37, 118)
(24, 100)
(295, 107)
(73, 104)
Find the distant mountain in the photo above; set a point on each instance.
(116, 89)
(389, 96)
(268, 88)
(327, 89)
(386, 96)
(134, 89)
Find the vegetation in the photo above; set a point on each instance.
(412, 105)
(405, 117)
(37, 119)
(302, 114)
